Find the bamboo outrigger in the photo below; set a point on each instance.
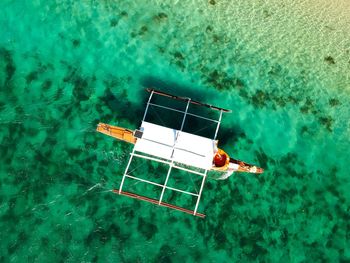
(173, 147)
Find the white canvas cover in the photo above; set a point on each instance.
(189, 149)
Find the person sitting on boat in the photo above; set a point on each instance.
(221, 160)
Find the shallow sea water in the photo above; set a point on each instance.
(283, 69)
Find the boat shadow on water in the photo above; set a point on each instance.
(226, 134)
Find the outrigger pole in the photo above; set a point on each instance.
(156, 202)
(185, 99)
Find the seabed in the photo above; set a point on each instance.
(284, 70)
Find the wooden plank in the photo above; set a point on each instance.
(156, 202)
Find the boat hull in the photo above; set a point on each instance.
(228, 165)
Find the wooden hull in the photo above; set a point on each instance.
(119, 133)
(246, 167)
(127, 135)
(233, 165)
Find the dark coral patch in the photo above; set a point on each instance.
(113, 22)
(10, 65)
(148, 230)
(124, 107)
(293, 99)
(209, 29)
(251, 247)
(161, 50)
(164, 255)
(13, 248)
(216, 38)
(160, 17)
(31, 77)
(330, 60)
(280, 101)
(307, 107)
(222, 81)
(239, 83)
(178, 55)
(124, 14)
(10, 70)
(327, 122)
(80, 91)
(220, 238)
(47, 84)
(260, 98)
(143, 30)
(276, 70)
(334, 102)
(212, 2)
(304, 129)
(44, 241)
(76, 42)
(266, 14)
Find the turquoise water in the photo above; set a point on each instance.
(284, 70)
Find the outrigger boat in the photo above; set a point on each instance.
(176, 148)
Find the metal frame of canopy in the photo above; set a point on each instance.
(170, 160)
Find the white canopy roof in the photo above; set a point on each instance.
(188, 149)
